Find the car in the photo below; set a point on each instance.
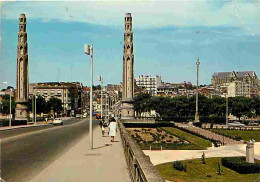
(57, 121)
(78, 116)
(236, 124)
(253, 123)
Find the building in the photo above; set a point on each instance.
(150, 83)
(241, 82)
(127, 106)
(22, 74)
(70, 93)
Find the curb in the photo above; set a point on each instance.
(3, 129)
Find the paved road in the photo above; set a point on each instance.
(26, 152)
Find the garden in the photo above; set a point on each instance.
(235, 134)
(196, 170)
(167, 139)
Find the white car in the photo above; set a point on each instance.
(57, 121)
(236, 124)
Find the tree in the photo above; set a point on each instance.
(54, 104)
(142, 103)
(41, 105)
(6, 104)
(240, 106)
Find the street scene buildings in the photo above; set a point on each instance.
(172, 109)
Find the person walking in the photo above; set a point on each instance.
(102, 126)
(112, 129)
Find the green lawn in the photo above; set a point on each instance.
(196, 171)
(197, 142)
(244, 134)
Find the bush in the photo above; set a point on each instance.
(179, 166)
(240, 165)
(198, 124)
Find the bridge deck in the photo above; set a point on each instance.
(106, 162)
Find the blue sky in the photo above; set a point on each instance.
(168, 38)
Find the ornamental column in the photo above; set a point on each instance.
(127, 107)
(22, 78)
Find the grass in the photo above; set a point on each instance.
(244, 134)
(197, 172)
(197, 143)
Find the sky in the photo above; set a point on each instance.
(169, 36)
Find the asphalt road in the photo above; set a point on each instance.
(27, 151)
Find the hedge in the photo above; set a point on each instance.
(240, 165)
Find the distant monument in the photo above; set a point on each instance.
(22, 78)
(127, 104)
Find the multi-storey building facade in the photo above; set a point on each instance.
(151, 83)
(237, 83)
(70, 93)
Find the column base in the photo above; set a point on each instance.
(127, 109)
(21, 112)
(197, 119)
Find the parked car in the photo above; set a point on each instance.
(236, 124)
(57, 121)
(78, 116)
(253, 123)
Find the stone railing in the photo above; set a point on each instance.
(139, 165)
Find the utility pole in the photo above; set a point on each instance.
(197, 94)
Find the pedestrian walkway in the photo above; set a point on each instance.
(209, 134)
(159, 157)
(106, 162)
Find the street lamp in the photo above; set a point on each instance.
(197, 94)
(227, 108)
(89, 51)
(101, 84)
(35, 113)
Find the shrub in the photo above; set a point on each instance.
(203, 158)
(240, 165)
(179, 166)
(198, 124)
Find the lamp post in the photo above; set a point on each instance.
(227, 108)
(10, 107)
(35, 113)
(197, 94)
(89, 51)
(101, 83)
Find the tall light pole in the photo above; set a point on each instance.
(35, 113)
(227, 108)
(197, 93)
(10, 107)
(89, 51)
(101, 84)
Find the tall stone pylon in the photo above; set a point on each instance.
(127, 104)
(22, 78)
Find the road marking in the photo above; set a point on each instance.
(40, 131)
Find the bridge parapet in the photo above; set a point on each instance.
(139, 165)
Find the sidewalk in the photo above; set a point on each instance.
(159, 157)
(105, 163)
(209, 134)
(39, 123)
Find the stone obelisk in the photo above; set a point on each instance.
(127, 104)
(22, 78)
